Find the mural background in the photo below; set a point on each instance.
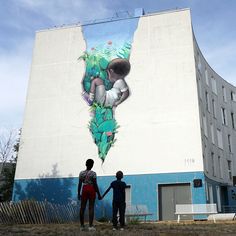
(105, 42)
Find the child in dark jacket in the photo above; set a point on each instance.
(118, 203)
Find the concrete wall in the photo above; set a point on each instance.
(159, 123)
(54, 129)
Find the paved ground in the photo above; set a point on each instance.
(196, 228)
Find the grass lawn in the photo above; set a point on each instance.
(146, 229)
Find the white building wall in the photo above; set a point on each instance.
(159, 124)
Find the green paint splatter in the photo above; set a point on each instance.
(103, 128)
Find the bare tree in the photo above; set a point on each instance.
(7, 142)
(9, 147)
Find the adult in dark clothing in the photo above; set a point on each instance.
(118, 203)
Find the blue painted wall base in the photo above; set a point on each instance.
(144, 190)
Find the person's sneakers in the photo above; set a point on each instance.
(82, 228)
(86, 98)
(114, 229)
(122, 229)
(91, 228)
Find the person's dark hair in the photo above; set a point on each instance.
(120, 66)
(89, 163)
(119, 174)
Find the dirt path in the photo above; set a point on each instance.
(148, 229)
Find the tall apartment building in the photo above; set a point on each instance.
(176, 137)
(217, 107)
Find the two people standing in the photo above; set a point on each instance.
(88, 184)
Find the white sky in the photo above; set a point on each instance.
(213, 24)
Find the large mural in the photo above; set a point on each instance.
(104, 85)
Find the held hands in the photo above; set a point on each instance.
(100, 197)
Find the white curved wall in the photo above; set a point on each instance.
(218, 154)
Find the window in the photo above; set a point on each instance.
(210, 190)
(205, 126)
(213, 83)
(205, 163)
(224, 94)
(199, 87)
(218, 195)
(199, 64)
(229, 170)
(207, 101)
(205, 156)
(229, 143)
(214, 108)
(213, 164)
(220, 167)
(206, 76)
(219, 139)
(207, 191)
(232, 120)
(212, 134)
(233, 96)
(223, 116)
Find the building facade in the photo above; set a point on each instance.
(217, 104)
(173, 137)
